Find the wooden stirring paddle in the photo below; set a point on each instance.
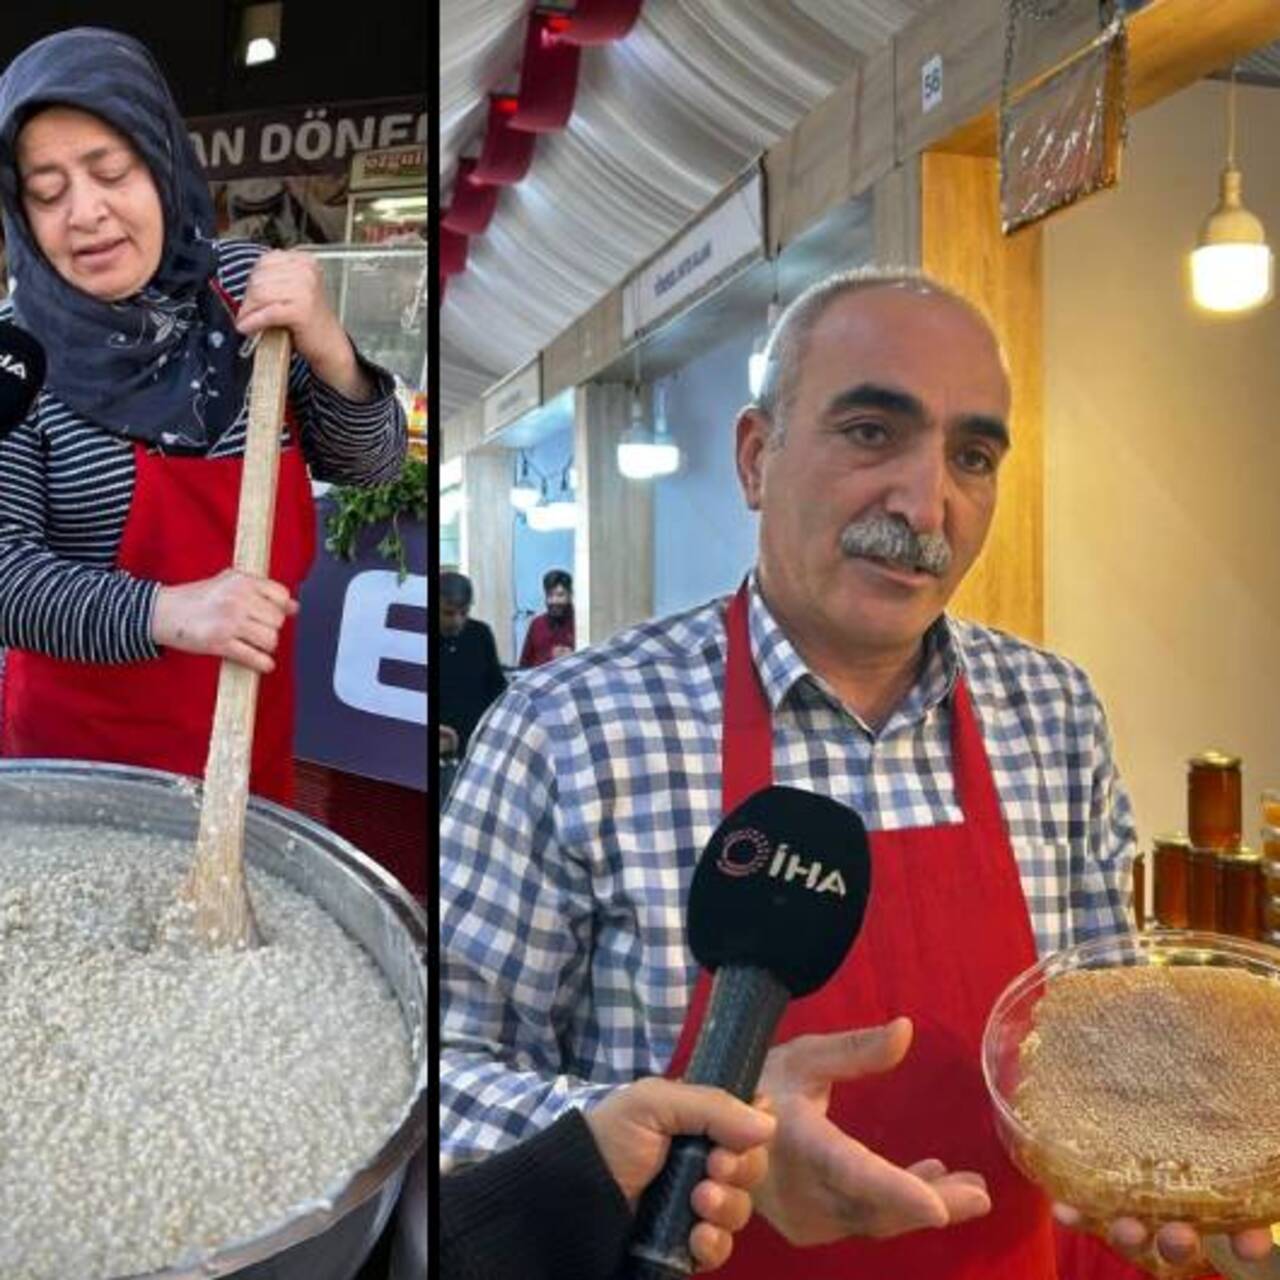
(216, 884)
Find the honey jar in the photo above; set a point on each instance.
(1270, 916)
(1213, 801)
(1171, 867)
(1271, 847)
(1271, 807)
(1240, 893)
(1203, 889)
(1271, 872)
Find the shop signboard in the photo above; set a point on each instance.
(294, 141)
(362, 660)
(390, 167)
(728, 237)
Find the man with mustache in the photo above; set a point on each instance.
(982, 767)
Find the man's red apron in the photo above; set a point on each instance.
(159, 713)
(946, 929)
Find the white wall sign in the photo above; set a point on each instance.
(931, 83)
(366, 637)
(727, 237)
(513, 397)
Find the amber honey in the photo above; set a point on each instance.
(1213, 801)
(1271, 845)
(1203, 883)
(1170, 870)
(1240, 894)
(1271, 807)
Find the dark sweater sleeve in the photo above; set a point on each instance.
(50, 604)
(547, 1209)
(344, 441)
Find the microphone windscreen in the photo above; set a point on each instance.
(782, 886)
(22, 370)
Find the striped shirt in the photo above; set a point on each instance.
(66, 486)
(593, 785)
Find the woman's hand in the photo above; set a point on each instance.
(286, 290)
(235, 615)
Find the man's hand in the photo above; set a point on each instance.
(448, 741)
(1176, 1249)
(822, 1185)
(235, 615)
(633, 1129)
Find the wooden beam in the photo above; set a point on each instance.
(486, 550)
(588, 345)
(463, 432)
(896, 216)
(834, 154)
(962, 246)
(613, 543)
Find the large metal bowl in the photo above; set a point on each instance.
(331, 1238)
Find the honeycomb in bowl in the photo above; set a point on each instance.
(1154, 1090)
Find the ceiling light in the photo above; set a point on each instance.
(1232, 267)
(556, 514)
(399, 204)
(645, 454)
(261, 49)
(260, 32)
(538, 518)
(562, 511)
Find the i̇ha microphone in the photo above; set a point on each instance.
(776, 902)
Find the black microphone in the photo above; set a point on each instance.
(777, 900)
(22, 370)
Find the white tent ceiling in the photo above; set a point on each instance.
(662, 120)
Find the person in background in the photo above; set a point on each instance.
(471, 676)
(559, 1206)
(982, 766)
(119, 493)
(550, 634)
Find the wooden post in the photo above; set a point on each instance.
(962, 246)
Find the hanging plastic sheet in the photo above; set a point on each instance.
(1061, 137)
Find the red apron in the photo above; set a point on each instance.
(159, 713)
(946, 929)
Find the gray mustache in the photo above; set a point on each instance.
(892, 539)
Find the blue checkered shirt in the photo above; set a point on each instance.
(593, 785)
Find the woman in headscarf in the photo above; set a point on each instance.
(119, 492)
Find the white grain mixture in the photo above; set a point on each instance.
(157, 1100)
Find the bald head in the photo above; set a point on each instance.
(788, 343)
(873, 463)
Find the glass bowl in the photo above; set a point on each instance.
(1152, 1190)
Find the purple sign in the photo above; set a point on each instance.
(362, 660)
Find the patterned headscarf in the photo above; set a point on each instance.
(161, 366)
